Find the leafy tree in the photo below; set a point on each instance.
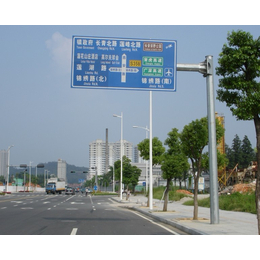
(222, 161)
(239, 67)
(90, 183)
(136, 172)
(228, 152)
(236, 155)
(127, 171)
(117, 167)
(106, 179)
(130, 173)
(2, 178)
(248, 153)
(174, 162)
(194, 139)
(158, 151)
(240, 152)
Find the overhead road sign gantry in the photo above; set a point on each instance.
(122, 63)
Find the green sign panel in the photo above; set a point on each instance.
(152, 61)
(152, 71)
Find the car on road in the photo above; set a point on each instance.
(70, 191)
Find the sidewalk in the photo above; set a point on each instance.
(180, 216)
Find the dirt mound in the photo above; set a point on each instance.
(184, 192)
(244, 188)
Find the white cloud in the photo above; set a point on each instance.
(60, 49)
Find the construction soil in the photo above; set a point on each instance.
(184, 192)
(244, 188)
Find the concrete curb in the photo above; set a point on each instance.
(188, 230)
(184, 228)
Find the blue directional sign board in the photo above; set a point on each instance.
(121, 63)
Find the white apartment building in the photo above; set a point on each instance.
(3, 163)
(62, 170)
(137, 158)
(97, 155)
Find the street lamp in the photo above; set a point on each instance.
(96, 179)
(45, 177)
(40, 165)
(25, 170)
(121, 152)
(146, 162)
(8, 166)
(30, 174)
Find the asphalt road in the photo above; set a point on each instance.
(41, 214)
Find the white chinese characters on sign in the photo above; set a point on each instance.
(108, 43)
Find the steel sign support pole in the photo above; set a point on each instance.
(214, 203)
(206, 68)
(122, 154)
(151, 155)
(8, 166)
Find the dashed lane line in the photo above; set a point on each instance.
(74, 231)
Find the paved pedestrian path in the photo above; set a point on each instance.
(180, 216)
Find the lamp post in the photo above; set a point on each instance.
(113, 177)
(121, 152)
(8, 166)
(25, 170)
(113, 167)
(96, 178)
(30, 174)
(146, 162)
(45, 177)
(40, 165)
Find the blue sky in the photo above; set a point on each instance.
(45, 119)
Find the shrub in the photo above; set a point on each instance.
(234, 202)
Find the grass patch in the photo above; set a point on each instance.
(234, 202)
(101, 193)
(173, 195)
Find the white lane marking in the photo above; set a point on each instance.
(74, 231)
(71, 208)
(49, 209)
(3, 208)
(114, 202)
(27, 208)
(93, 206)
(157, 224)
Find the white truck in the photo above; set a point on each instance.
(54, 185)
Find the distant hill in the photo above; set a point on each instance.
(52, 168)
